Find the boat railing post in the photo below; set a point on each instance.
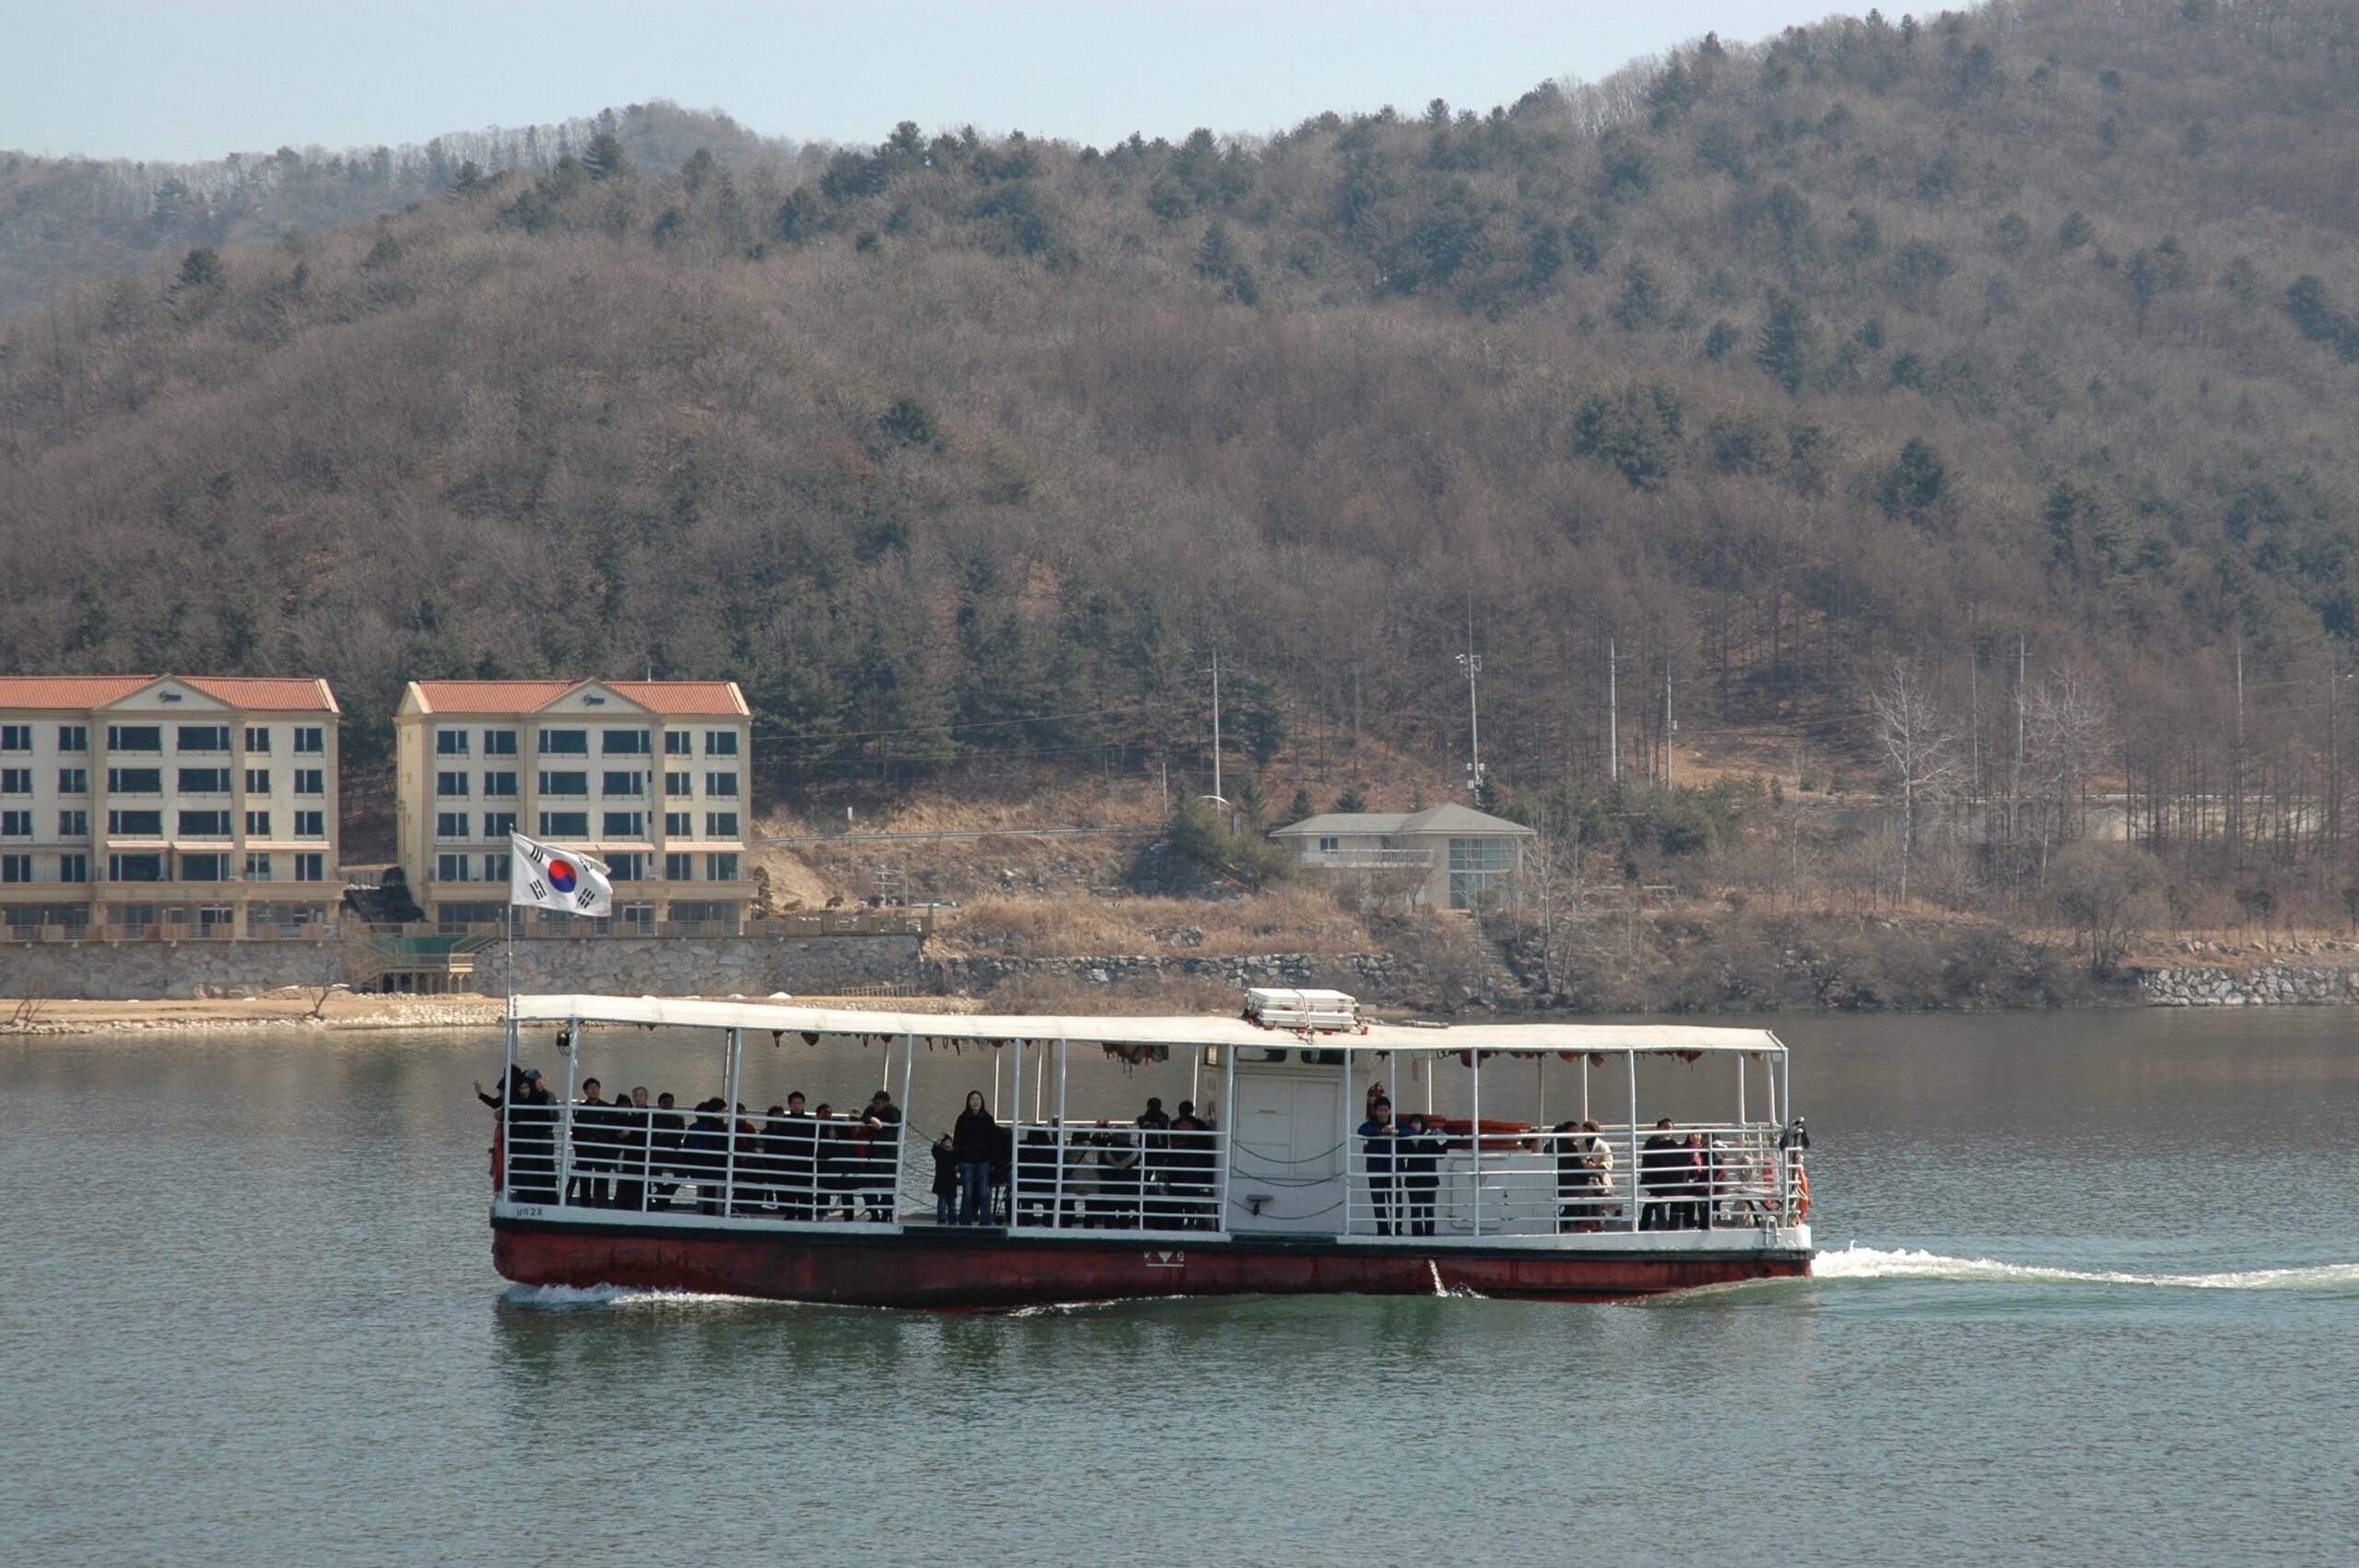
(901, 1149)
(1057, 1206)
(729, 1160)
(565, 1113)
(506, 1182)
(1222, 1135)
(1476, 1058)
(1351, 1138)
(1015, 1139)
(1630, 1060)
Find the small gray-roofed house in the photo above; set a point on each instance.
(1464, 853)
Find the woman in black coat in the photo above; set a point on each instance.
(973, 1140)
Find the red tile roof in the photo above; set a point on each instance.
(676, 699)
(264, 693)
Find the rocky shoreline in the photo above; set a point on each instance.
(2271, 985)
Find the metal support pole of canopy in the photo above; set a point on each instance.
(507, 1120)
(1227, 1147)
(572, 1038)
(1476, 1058)
(1631, 1060)
(729, 1164)
(1056, 1215)
(1015, 1135)
(901, 1149)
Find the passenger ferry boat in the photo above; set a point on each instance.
(1276, 1187)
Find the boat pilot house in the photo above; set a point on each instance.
(921, 1160)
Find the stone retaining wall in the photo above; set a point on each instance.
(2272, 985)
(748, 965)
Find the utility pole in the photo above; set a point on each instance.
(1471, 662)
(2236, 810)
(1612, 714)
(1216, 794)
(2015, 781)
(1670, 725)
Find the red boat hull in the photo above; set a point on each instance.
(964, 1270)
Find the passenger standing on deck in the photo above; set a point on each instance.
(628, 1114)
(800, 1166)
(1154, 1165)
(530, 1147)
(592, 1156)
(1191, 1169)
(1418, 1156)
(946, 1181)
(1700, 1183)
(1380, 1131)
(974, 1137)
(1659, 1179)
(1036, 1178)
(666, 1140)
(702, 1152)
(882, 1125)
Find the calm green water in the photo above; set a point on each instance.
(2090, 1296)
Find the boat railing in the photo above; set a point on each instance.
(580, 1158)
(1117, 1176)
(1511, 1180)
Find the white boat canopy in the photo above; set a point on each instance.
(983, 1029)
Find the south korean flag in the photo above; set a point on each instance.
(542, 876)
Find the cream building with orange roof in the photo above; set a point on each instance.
(652, 776)
(168, 805)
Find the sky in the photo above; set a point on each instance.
(195, 80)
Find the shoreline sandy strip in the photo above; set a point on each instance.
(343, 1011)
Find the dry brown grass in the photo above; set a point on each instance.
(1039, 995)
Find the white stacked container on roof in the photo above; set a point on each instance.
(1279, 1008)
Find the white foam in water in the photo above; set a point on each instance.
(1857, 1262)
(613, 1295)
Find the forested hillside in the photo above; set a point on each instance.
(1882, 345)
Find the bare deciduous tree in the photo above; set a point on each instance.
(1919, 741)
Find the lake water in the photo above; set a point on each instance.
(2090, 1293)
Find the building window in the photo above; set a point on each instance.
(134, 780)
(310, 741)
(311, 868)
(257, 825)
(720, 742)
(311, 824)
(454, 868)
(721, 824)
(257, 780)
(632, 784)
(136, 867)
(257, 738)
(565, 825)
(720, 784)
(626, 825)
(74, 825)
(623, 742)
(205, 825)
(16, 867)
(15, 825)
(15, 737)
(135, 737)
(134, 916)
(203, 737)
(494, 868)
(677, 743)
(1329, 846)
(679, 868)
(257, 867)
(679, 784)
(629, 866)
(204, 868)
(1477, 867)
(450, 824)
(311, 782)
(500, 742)
(73, 780)
(498, 786)
(498, 825)
(204, 781)
(679, 825)
(720, 868)
(73, 737)
(135, 824)
(16, 780)
(451, 786)
(564, 784)
(72, 868)
(449, 742)
(565, 743)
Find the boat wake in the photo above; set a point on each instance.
(563, 1298)
(1857, 1262)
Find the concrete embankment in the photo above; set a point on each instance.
(2271, 985)
(1372, 977)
